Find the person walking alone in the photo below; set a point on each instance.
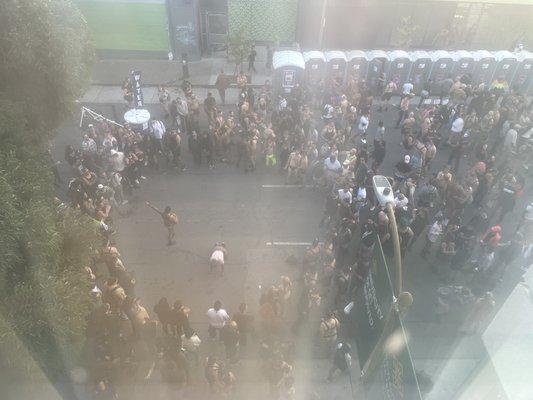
(222, 83)
(170, 220)
(270, 54)
(251, 59)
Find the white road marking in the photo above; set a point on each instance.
(287, 186)
(288, 243)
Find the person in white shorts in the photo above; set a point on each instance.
(218, 257)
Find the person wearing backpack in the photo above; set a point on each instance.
(170, 220)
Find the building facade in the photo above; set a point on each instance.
(192, 28)
(418, 24)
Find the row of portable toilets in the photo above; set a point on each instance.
(291, 67)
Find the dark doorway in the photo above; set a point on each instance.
(214, 25)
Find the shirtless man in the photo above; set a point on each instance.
(170, 220)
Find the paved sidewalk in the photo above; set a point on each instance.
(101, 94)
(155, 72)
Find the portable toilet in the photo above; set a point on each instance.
(335, 65)
(441, 69)
(377, 64)
(357, 65)
(399, 67)
(289, 68)
(523, 77)
(463, 63)
(484, 65)
(315, 66)
(420, 69)
(506, 63)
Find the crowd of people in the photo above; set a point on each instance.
(452, 215)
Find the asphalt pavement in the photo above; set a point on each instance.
(261, 221)
(249, 212)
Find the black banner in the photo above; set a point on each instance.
(138, 100)
(372, 305)
(395, 377)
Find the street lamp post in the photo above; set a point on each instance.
(402, 300)
(385, 196)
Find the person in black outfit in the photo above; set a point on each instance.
(341, 360)
(251, 59)
(403, 169)
(195, 148)
(250, 96)
(269, 58)
(378, 154)
(344, 240)
(207, 144)
(342, 283)
(244, 322)
(164, 314)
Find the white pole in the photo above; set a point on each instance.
(97, 116)
(82, 115)
(322, 23)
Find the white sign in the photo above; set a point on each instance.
(137, 116)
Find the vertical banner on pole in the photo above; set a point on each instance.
(138, 99)
(372, 304)
(395, 378)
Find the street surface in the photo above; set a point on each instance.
(262, 223)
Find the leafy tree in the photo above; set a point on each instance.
(238, 47)
(45, 56)
(44, 290)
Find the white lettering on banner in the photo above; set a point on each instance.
(393, 378)
(288, 78)
(373, 308)
(138, 94)
(387, 378)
